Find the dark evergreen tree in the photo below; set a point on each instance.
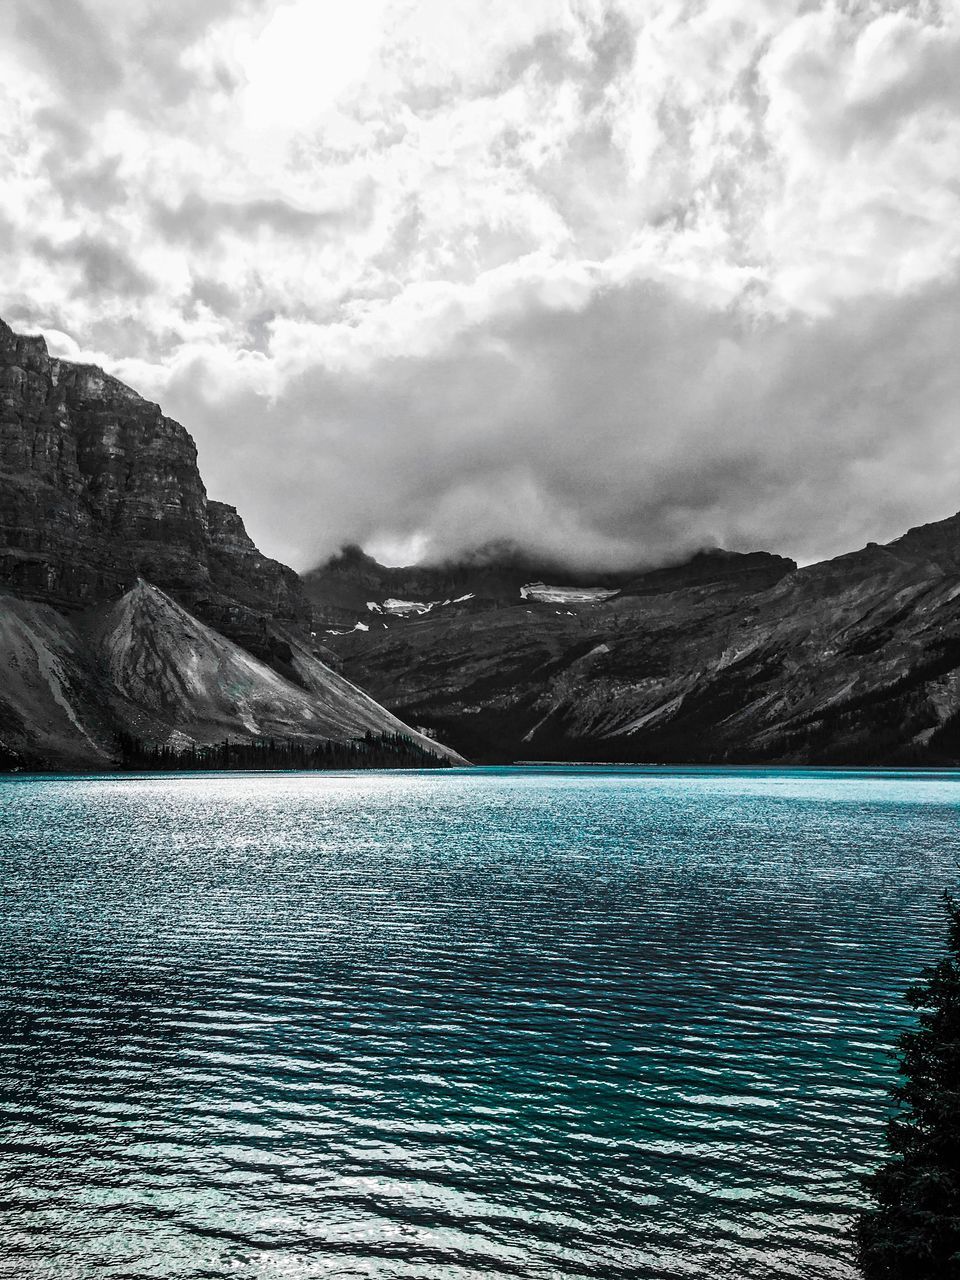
(912, 1228)
(372, 751)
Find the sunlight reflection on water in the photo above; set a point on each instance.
(492, 1022)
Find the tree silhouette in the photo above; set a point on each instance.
(372, 751)
(912, 1228)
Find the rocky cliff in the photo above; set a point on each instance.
(98, 487)
(131, 605)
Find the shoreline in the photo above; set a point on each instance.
(519, 766)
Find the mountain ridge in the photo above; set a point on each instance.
(351, 585)
(725, 658)
(132, 605)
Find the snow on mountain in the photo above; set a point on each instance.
(540, 592)
(412, 608)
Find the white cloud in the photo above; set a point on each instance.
(371, 254)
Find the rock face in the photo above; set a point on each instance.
(131, 604)
(97, 486)
(724, 659)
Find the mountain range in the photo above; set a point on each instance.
(726, 658)
(133, 606)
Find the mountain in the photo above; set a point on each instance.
(50, 711)
(144, 667)
(130, 603)
(98, 487)
(724, 658)
(352, 588)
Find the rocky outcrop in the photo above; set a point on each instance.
(752, 571)
(98, 486)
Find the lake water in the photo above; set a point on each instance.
(556, 1023)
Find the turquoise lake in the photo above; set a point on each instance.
(613, 1023)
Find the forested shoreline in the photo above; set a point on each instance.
(372, 751)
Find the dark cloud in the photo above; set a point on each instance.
(97, 60)
(75, 50)
(216, 297)
(612, 49)
(67, 130)
(552, 57)
(198, 221)
(634, 429)
(96, 186)
(930, 79)
(258, 331)
(103, 268)
(549, 55)
(164, 31)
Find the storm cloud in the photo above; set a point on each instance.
(612, 281)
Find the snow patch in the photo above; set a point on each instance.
(412, 608)
(565, 595)
(403, 608)
(334, 631)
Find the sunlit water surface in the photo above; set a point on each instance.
(564, 1023)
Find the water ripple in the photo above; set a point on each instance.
(631, 1025)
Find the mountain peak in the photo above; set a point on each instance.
(98, 486)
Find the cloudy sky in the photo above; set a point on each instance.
(614, 280)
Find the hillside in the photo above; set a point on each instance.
(724, 658)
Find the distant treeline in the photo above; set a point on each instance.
(372, 751)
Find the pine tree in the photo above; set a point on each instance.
(372, 751)
(912, 1228)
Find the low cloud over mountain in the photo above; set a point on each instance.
(611, 281)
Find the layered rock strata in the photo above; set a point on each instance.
(98, 487)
